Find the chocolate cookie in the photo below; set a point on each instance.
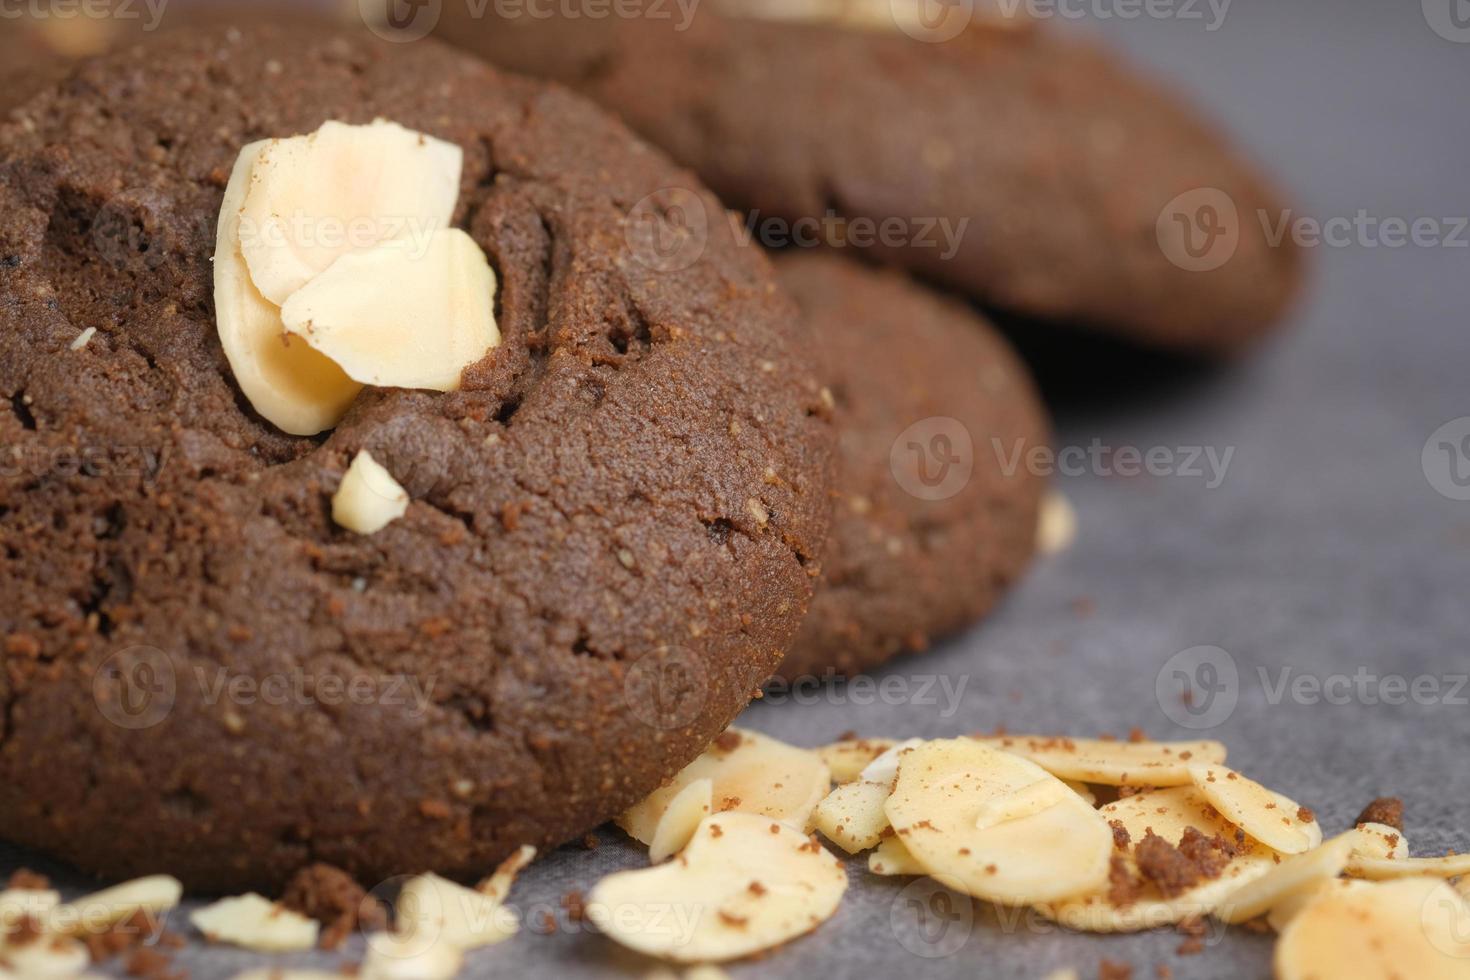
(1029, 170)
(935, 509)
(613, 525)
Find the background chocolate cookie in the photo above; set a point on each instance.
(613, 530)
(1031, 171)
(929, 527)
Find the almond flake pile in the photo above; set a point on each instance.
(1099, 835)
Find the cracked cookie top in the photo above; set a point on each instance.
(613, 530)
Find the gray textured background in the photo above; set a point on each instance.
(1326, 550)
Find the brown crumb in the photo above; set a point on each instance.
(1387, 810)
(1209, 855)
(1164, 971)
(757, 889)
(1110, 970)
(1123, 886)
(1163, 864)
(1121, 837)
(335, 899)
(27, 880)
(1305, 814)
(728, 741)
(591, 842)
(733, 920)
(148, 964)
(576, 905)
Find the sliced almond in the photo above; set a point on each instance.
(26, 903)
(1269, 817)
(846, 760)
(943, 788)
(404, 314)
(750, 773)
(1056, 527)
(293, 387)
(1168, 813)
(1111, 763)
(431, 909)
(368, 499)
(681, 819)
(1298, 873)
(1377, 840)
(45, 958)
(884, 769)
(1082, 790)
(745, 884)
(1417, 927)
(100, 911)
(498, 885)
(1027, 801)
(1386, 869)
(408, 957)
(313, 199)
(1291, 906)
(893, 859)
(256, 923)
(852, 815)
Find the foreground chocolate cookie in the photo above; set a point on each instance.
(1032, 171)
(932, 407)
(610, 538)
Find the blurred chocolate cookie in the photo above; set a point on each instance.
(1034, 172)
(935, 512)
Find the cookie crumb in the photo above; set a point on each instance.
(335, 899)
(1387, 810)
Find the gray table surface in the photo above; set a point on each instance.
(1326, 551)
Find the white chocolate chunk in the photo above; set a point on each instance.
(431, 909)
(403, 314)
(745, 884)
(1417, 927)
(1267, 816)
(1168, 813)
(256, 923)
(942, 789)
(293, 387)
(497, 886)
(1298, 873)
(846, 760)
(686, 811)
(101, 910)
(893, 859)
(368, 499)
(852, 815)
(1111, 763)
(313, 199)
(750, 773)
(395, 957)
